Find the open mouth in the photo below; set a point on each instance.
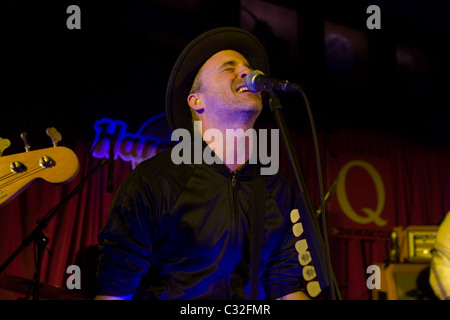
(241, 89)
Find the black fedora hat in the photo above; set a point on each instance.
(195, 55)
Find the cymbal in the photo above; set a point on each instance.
(46, 291)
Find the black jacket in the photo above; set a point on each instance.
(182, 232)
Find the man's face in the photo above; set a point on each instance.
(223, 93)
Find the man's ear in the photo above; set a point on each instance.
(195, 103)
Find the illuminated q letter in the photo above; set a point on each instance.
(371, 215)
(74, 21)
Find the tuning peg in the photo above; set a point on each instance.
(4, 144)
(46, 162)
(54, 135)
(23, 135)
(17, 167)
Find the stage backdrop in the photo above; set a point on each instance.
(384, 181)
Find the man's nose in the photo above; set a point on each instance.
(244, 71)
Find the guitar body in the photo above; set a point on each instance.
(55, 165)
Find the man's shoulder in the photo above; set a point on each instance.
(156, 177)
(161, 165)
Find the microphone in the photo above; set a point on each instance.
(257, 81)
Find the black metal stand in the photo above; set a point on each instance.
(39, 238)
(318, 250)
(40, 247)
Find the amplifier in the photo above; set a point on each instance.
(403, 281)
(413, 243)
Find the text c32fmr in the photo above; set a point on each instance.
(247, 309)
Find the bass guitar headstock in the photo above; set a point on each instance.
(56, 165)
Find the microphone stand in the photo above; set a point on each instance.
(318, 250)
(38, 236)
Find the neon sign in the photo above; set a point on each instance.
(152, 137)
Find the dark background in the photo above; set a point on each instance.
(117, 65)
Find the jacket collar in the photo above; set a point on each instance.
(246, 170)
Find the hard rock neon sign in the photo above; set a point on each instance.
(152, 137)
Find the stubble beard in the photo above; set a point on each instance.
(235, 113)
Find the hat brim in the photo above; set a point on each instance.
(195, 55)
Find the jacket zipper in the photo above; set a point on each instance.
(233, 180)
(234, 221)
(234, 225)
(234, 188)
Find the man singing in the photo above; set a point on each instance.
(190, 230)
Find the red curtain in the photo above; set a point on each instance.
(421, 186)
(72, 232)
(421, 191)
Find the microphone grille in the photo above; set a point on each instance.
(250, 80)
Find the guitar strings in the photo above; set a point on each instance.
(6, 176)
(22, 176)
